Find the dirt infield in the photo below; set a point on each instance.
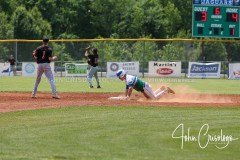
(22, 101)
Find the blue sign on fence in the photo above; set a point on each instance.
(204, 70)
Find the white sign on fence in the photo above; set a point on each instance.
(164, 69)
(204, 70)
(234, 71)
(5, 69)
(131, 68)
(30, 69)
(75, 69)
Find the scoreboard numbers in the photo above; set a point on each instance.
(219, 18)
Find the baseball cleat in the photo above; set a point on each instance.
(56, 97)
(163, 88)
(98, 86)
(170, 90)
(91, 86)
(33, 96)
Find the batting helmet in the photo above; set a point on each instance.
(120, 73)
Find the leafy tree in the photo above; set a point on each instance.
(6, 32)
(185, 12)
(213, 51)
(172, 19)
(7, 6)
(6, 28)
(172, 52)
(29, 25)
(233, 51)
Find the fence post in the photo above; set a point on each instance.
(143, 55)
(102, 58)
(61, 63)
(185, 66)
(226, 64)
(16, 51)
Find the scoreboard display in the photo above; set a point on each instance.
(216, 18)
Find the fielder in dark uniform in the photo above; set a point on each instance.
(43, 56)
(12, 62)
(92, 55)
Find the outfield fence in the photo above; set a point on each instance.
(141, 50)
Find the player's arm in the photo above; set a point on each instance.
(87, 51)
(52, 58)
(34, 54)
(129, 92)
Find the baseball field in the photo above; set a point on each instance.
(201, 121)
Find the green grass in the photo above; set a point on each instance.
(25, 84)
(115, 133)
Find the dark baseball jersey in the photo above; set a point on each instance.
(91, 60)
(12, 62)
(43, 53)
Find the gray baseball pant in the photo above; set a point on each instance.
(44, 67)
(92, 72)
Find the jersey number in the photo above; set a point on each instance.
(43, 56)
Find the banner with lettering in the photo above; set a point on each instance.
(217, 2)
(75, 69)
(30, 69)
(5, 69)
(164, 69)
(234, 71)
(204, 70)
(131, 68)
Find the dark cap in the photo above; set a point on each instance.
(45, 39)
(95, 50)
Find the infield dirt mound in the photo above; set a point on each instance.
(12, 101)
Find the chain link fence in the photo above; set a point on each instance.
(126, 50)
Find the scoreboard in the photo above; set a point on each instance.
(216, 18)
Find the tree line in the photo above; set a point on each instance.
(61, 19)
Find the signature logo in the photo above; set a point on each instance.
(204, 138)
(164, 71)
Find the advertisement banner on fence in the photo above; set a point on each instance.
(131, 68)
(5, 69)
(164, 69)
(234, 70)
(204, 70)
(76, 69)
(30, 69)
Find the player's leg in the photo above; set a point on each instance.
(159, 90)
(96, 77)
(145, 95)
(14, 70)
(90, 76)
(148, 92)
(10, 70)
(162, 89)
(40, 71)
(162, 92)
(50, 77)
